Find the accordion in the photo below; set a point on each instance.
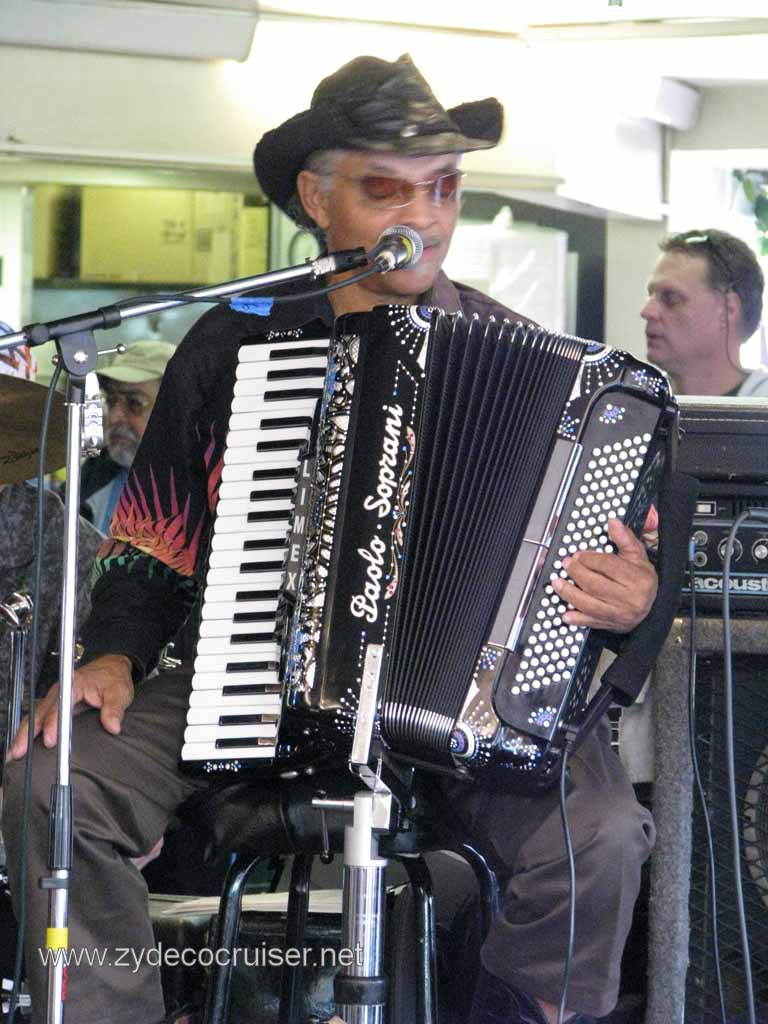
(451, 467)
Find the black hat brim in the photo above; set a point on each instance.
(281, 153)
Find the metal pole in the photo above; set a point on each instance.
(16, 612)
(361, 990)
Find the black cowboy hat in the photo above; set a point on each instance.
(372, 104)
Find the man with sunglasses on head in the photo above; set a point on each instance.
(705, 299)
(374, 150)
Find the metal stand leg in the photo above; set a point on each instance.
(291, 989)
(361, 990)
(426, 937)
(227, 928)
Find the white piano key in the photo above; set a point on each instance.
(258, 405)
(266, 369)
(213, 701)
(218, 661)
(244, 450)
(243, 580)
(209, 752)
(226, 595)
(240, 524)
(291, 389)
(227, 610)
(255, 388)
(220, 627)
(242, 506)
(245, 488)
(244, 470)
(211, 733)
(278, 532)
(233, 558)
(289, 436)
(265, 650)
(214, 679)
(206, 714)
(275, 346)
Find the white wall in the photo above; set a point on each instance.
(631, 252)
(732, 117)
(563, 119)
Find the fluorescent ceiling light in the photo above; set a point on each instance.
(216, 29)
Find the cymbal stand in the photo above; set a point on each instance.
(16, 612)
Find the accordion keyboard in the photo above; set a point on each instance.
(236, 693)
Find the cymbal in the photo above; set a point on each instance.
(21, 415)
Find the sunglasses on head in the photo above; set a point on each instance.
(706, 244)
(394, 193)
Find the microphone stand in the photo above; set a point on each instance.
(78, 353)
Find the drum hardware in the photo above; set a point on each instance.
(16, 613)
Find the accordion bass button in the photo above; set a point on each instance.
(463, 742)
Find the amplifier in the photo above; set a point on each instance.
(725, 445)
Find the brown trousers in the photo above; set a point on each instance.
(126, 788)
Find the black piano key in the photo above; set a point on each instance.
(280, 445)
(283, 422)
(257, 595)
(247, 719)
(251, 689)
(245, 741)
(252, 638)
(292, 396)
(294, 372)
(288, 473)
(261, 566)
(299, 353)
(272, 495)
(264, 542)
(253, 617)
(276, 515)
(252, 666)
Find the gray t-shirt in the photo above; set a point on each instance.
(17, 572)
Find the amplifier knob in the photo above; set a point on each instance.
(760, 549)
(700, 559)
(700, 538)
(738, 549)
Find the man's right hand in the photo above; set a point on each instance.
(106, 683)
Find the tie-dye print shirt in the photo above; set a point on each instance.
(148, 573)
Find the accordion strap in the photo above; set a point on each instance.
(640, 648)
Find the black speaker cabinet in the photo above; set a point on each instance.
(682, 983)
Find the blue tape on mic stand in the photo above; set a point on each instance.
(256, 307)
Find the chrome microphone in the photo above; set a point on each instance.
(398, 247)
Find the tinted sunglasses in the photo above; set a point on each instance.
(132, 401)
(393, 193)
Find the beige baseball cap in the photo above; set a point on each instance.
(144, 360)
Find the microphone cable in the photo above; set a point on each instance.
(568, 746)
(700, 785)
(27, 794)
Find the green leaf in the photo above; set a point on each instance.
(761, 211)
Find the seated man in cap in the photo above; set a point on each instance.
(129, 387)
(374, 150)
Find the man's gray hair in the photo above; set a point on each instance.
(322, 162)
